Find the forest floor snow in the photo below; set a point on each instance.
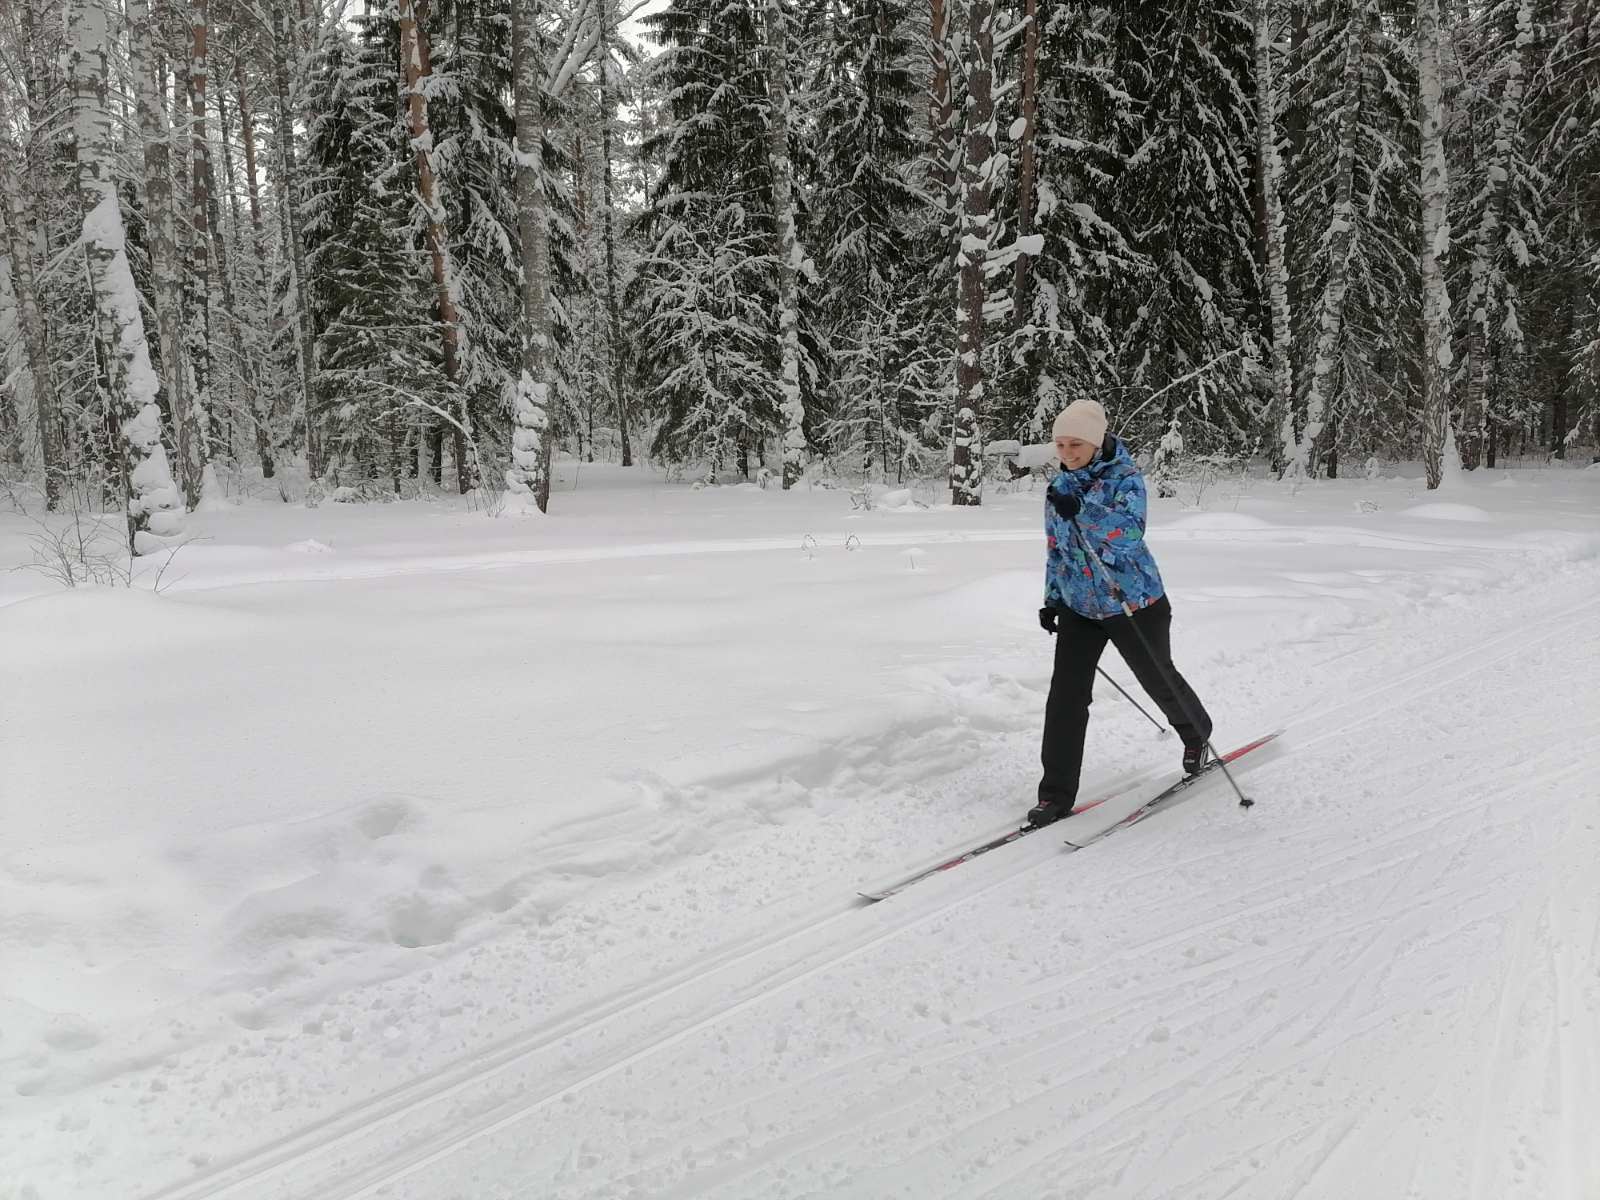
(396, 849)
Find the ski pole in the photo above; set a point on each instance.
(1127, 609)
(1162, 729)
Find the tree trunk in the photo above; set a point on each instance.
(528, 476)
(247, 333)
(1485, 241)
(160, 206)
(613, 304)
(265, 447)
(14, 207)
(192, 421)
(1027, 172)
(795, 449)
(1270, 170)
(298, 313)
(1331, 318)
(417, 62)
(1435, 188)
(153, 502)
(966, 482)
(941, 115)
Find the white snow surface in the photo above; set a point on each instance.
(395, 851)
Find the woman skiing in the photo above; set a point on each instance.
(1096, 506)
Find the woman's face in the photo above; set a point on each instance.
(1074, 453)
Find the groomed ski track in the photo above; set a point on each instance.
(1380, 982)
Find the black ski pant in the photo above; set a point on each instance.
(1079, 642)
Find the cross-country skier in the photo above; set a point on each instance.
(1096, 504)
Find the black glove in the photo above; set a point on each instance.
(1066, 504)
(1047, 620)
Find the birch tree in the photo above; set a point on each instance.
(1435, 186)
(153, 503)
(528, 476)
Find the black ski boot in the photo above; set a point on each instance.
(1195, 758)
(1048, 811)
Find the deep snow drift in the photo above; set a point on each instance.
(398, 850)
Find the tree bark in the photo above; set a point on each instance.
(795, 449)
(160, 206)
(417, 62)
(298, 311)
(1270, 170)
(1027, 171)
(941, 113)
(154, 509)
(1435, 188)
(613, 304)
(14, 207)
(528, 476)
(265, 445)
(966, 482)
(192, 421)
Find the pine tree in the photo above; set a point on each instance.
(1352, 217)
(369, 298)
(707, 286)
(866, 215)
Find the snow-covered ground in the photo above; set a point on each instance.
(396, 850)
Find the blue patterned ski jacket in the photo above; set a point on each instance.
(1112, 494)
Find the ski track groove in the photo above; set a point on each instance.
(409, 1162)
(281, 1156)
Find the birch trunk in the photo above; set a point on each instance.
(528, 476)
(417, 62)
(613, 304)
(1435, 188)
(14, 207)
(795, 450)
(153, 503)
(1330, 324)
(966, 482)
(1485, 242)
(165, 271)
(1270, 168)
(297, 311)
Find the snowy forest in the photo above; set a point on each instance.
(431, 243)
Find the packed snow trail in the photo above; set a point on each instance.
(1249, 1042)
(1382, 982)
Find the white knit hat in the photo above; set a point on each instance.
(1083, 419)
